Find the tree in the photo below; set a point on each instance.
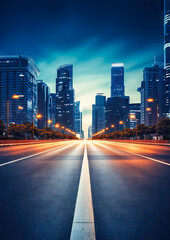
(164, 128)
(2, 127)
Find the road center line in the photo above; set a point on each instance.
(152, 159)
(36, 154)
(83, 222)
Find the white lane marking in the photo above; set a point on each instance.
(83, 222)
(152, 159)
(36, 154)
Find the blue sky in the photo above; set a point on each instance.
(91, 35)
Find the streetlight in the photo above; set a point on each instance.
(133, 117)
(49, 122)
(121, 123)
(15, 96)
(113, 126)
(151, 100)
(38, 116)
(63, 129)
(58, 126)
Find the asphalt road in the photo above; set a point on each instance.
(130, 190)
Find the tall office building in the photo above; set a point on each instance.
(53, 109)
(117, 110)
(43, 104)
(94, 119)
(117, 80)
(98, 113)
(65, 96)
(78, 118)
(90, 132)
(167, 56)
(18, 75)
(135, 109)
(152, 86)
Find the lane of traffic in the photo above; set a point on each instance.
(15, 152)
(130, 195)
(161, 153)
(38, 195)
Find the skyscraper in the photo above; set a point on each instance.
(167, 56)
(90, 132)
(98, 113)
(43, 104)
(18, 75)
(53, 109)
(117, 80)
(117, 109)
(78, 118)
(152, 86)
(65, 96)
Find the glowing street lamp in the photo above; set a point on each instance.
(20, 108)
(151, 100)
(121, 122)
(39, 116)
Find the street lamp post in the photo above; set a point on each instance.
(113, 126)
(121, 123)
(38, 116)
(49, 122)
(151, 100)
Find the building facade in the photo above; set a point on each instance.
(43, 104)
(65, 96)
(167, 56)
(117, 80)
(90, 132)
(152, 86)
(78, 118)
(135, 109)
(18, 75)
(53, 109)
(98, 113)
(117, 113)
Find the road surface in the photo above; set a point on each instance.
(100, 190)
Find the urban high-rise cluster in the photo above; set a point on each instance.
(116, 113)
(23, 97)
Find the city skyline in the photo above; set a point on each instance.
(93, 45)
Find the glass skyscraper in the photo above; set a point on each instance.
(43, 104)
(117, 109)
(65, 96)
(117, 80)
(167, 56)
(152, 86)
(18, 75)
(98, 113)
(53, 109)
(78, 118)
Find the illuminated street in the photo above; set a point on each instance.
(41, 198)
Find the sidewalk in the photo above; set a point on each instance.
(148, 142)
(9, 143)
